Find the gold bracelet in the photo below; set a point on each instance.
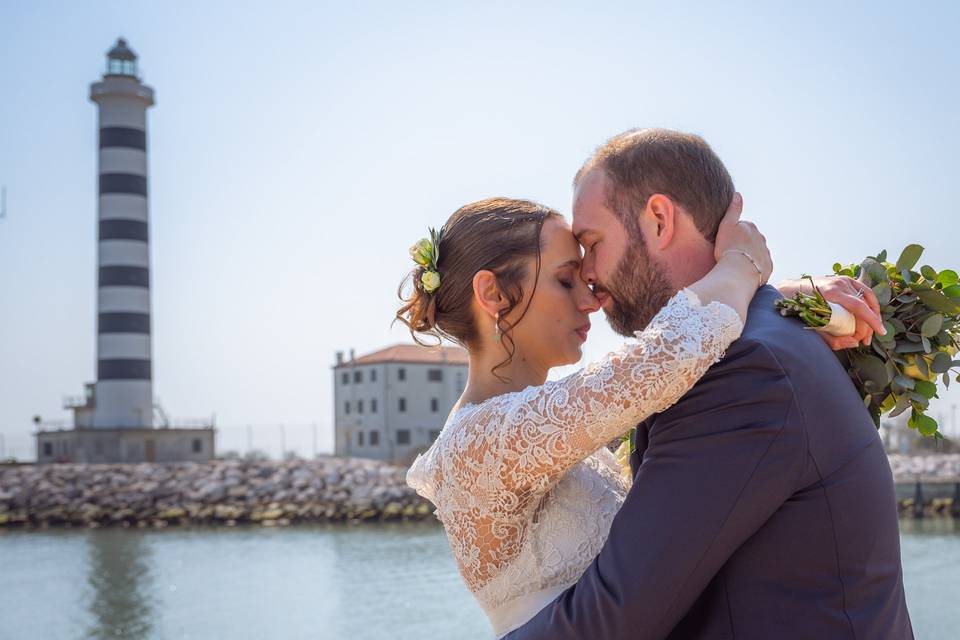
(748, 257)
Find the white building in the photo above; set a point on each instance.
(391, 404)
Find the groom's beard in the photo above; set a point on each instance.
(637, 290)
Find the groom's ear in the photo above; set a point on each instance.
(486, 292)
(659, 223)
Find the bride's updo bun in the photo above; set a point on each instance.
(498, 235)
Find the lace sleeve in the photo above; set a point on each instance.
(529, 439)
(506, 453)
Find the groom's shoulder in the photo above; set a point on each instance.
(785, 339)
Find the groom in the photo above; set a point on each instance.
(762, 505)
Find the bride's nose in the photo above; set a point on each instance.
(587, 301)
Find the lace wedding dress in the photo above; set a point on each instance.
(523, 483)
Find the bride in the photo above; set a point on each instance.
(520, 475)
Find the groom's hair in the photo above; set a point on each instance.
(682, 166)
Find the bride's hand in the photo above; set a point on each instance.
(852, 295)
(743, 263)
(736, 237)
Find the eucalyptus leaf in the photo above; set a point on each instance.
(941, 362)
(882, 256)
(910, 256)
(903, 403)
(931, 326)
(953, 291)
(927, 272)
(867, 400)
(946, 380)
(926, 389)
(927, 347)
(907, 347)
(876, 271)
(905, 382)
(938, 302)
(921, 363)
(883, 293)
(948, 277)
(870, 368)
(837, 267)
(927, 425)
(919, 400)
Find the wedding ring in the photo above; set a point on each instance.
(860, 294)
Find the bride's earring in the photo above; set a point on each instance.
(496, 324)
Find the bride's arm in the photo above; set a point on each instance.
(521, 443)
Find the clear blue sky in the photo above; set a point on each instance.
(298, 149)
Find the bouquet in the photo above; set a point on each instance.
(921, 313)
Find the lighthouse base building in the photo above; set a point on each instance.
(114, 421)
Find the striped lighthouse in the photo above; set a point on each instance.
(124, 388)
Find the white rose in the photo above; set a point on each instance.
(422, 252)
(430, 280)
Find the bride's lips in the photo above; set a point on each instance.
(583, 331)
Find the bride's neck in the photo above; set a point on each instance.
(483, 382)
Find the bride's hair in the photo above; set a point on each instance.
(498, 235)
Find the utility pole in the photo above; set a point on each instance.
(314, 427)
(283, 443)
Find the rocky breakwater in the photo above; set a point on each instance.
(927, 485)
(932, 467)
(227, 492)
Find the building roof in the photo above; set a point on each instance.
(412, 354)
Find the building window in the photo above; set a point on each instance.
(197, 445)
(48, 448)
(373, 375)
(403, 436)
(359, 406)
(346, 407)
(358, 376)
(401, 374)
(374, 438)
(434, 375)
(434, 435)
(402, 404)
(373, 405)
(345, 378)
(360, 438)
(434, 405)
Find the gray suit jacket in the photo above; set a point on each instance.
(762, 508)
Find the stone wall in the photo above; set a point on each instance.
(328, 489)
(225, 492)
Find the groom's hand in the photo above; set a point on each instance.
(855, 297)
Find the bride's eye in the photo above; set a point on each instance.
(566, 284)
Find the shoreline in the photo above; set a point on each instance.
(219, 492)
(324, 490)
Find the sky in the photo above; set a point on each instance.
(298, 149)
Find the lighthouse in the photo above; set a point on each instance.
(114, 420)
(124, 388)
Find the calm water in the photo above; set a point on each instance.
(361, 583)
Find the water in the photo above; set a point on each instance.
(367, 582)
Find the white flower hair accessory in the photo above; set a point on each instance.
(426, 253)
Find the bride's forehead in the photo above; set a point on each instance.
(558, 239)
